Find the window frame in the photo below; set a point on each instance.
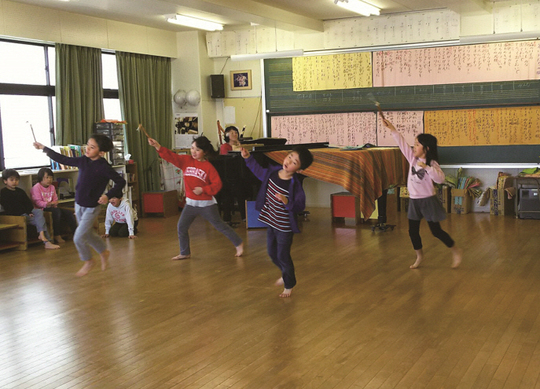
(47, 90)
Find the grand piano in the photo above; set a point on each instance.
(367, 173)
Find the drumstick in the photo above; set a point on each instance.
(32, 128)
(372, 98)
(143, 130)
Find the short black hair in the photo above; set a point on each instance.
(305, 156)
(229, 129)
(10, 173)
(104, 143)
(41, 173)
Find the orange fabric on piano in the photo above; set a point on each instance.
(364, 173)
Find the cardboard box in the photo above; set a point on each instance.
(494, 202)
(461, 201)
(505, 204)
(443, 192)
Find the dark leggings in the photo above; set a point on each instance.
(436, 230)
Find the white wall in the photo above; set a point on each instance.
(29, 22)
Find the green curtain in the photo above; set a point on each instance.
(144, 87)
(79, 93)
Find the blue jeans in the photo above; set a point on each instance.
(210, 213)
(279, 249)
(85, 237)
(38, 221)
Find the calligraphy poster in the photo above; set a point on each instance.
(504, 61)
(485, 127)
(338, 71)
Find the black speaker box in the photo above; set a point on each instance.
(218, 86)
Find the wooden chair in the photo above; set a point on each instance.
(17, 234)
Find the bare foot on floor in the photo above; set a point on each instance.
(419, 259)
(286, 293)
(88, 265)
(279, 282)
(180, 257)
(51, 246)
(456, 257)
(105, 259)
(239, 250)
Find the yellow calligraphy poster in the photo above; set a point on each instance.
(484, 127)
(338, 71)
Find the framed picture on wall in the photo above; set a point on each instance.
(240, 79)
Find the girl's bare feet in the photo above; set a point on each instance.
(279, 282)
(456, 257)
(51, 246)
(180, 257)
(239, 250)
(286, 293)
(105, 259)
(88, 265)
(419, 259)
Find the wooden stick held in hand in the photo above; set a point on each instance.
(32, 128)
(143, 130)
(372, 98)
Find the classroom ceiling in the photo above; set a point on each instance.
(234, 14)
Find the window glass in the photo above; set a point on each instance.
(110, 77)
(22, 64)
(112, 109)
(18, 114)
(52, 64)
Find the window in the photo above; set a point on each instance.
(27, 101)
(111, 103)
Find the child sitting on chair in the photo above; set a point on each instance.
(121, 219)
(16, 202)
(44, 197)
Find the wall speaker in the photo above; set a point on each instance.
(217, 84)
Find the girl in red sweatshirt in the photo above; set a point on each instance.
(202, 182)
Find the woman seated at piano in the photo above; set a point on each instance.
(232, 138)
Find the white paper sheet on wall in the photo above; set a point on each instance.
(339, 129)
(229, 115)
(408, 123)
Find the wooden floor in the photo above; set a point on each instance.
(358, 318)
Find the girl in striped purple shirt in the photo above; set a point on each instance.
(279, 200)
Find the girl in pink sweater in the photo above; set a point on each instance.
(424, 169)
(202, 183)
(44, 197)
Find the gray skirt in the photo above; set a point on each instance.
(429, 208)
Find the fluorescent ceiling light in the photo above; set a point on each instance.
(505, 37)
(272, 54)
(358, 6)
(189, 21)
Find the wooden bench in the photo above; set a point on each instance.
(14, 232)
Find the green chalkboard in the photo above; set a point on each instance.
(489, 154)
(281, 99)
